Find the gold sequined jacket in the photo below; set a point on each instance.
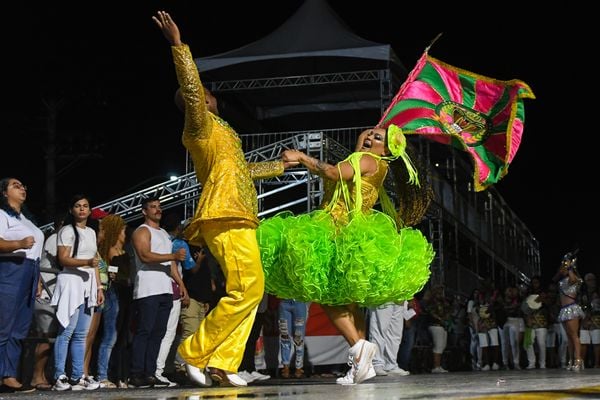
(228, 192)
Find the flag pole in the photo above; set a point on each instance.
(433, 41)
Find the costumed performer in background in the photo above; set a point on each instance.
(570, 314)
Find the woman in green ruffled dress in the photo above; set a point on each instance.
(346, 254)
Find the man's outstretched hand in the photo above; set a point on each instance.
(168, 27)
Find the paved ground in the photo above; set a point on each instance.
(529, 385)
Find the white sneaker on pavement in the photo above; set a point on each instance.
(85, 383)
(379, 371)
(438, 370)
(347, 379)
(398, 371)
(62, 383)
(247, 376)
(361, 356)
(370, 373)
(235, 379)
(197, 375)
(259, 377)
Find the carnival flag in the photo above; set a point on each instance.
(481, 115)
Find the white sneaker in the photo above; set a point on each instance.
(379, 371)
(486, 367)
(85, 383)
(164, 380)
(361, 356)
(259, 377)
(398, 371)
(530, 366)
(235, 379)
(62, 383)
(438, 370)
(247, 376)
(370, 373)
(347, 379)
(197, 375)
(495, 367)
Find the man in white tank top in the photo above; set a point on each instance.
(152, 292)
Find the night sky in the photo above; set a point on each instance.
(108, 70)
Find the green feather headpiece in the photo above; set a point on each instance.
(396, 142)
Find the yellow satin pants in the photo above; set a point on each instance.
(221, 337)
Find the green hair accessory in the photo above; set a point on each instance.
(396, 142)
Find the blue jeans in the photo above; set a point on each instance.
(18, 281)
(292, 322)
(408, 341)
(110, 312)
(152, 315)
(72, 336)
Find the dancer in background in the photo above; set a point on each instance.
(569, 284)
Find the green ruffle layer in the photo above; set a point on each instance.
(368, 261)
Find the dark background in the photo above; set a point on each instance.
(110, 70)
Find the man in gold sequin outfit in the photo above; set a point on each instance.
(225, 221)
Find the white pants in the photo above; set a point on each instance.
(510, 337)
(167, 340)
(492, 335)
(539, 337)
(440, 338)
(386, 324)
(589, 337)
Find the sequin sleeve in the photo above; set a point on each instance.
(198, 123)
(267, 169)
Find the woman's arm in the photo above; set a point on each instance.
(340, 171)
(66, 261)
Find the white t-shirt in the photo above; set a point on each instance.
(12, 228)
(74, 285)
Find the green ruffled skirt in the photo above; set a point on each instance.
(308, 258)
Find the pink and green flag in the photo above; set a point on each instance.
(481, 115)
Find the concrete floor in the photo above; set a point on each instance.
(535, 384)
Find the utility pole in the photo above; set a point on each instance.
(52, 107)
(53, 153)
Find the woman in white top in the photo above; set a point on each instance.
(76, 294)
(20, 250)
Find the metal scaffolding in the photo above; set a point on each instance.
(474, 235)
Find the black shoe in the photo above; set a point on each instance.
(21, 389)
(154, 382)
(139, 382)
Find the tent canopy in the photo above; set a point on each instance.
(314, 40)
